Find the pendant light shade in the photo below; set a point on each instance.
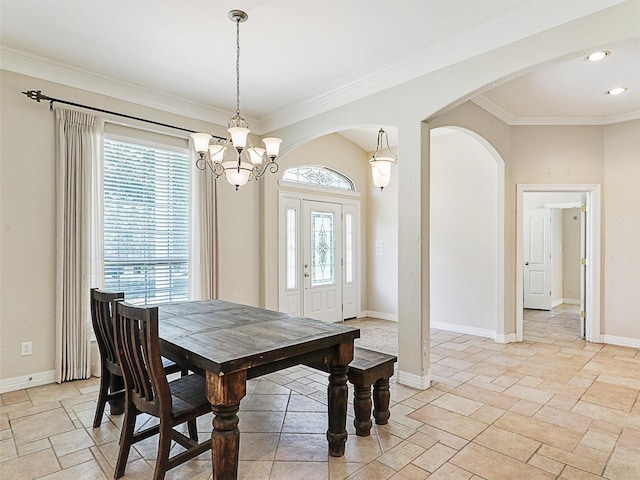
(382, 160)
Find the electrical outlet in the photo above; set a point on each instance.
(27, 348)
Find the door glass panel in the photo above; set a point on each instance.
(348, 249)
(292, 249)
(322, 248)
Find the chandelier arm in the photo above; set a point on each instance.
(203, 163)
(271, 166)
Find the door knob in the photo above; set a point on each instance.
(306, 274)
(526, 263)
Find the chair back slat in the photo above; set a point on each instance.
(138, 345)
(102, 318)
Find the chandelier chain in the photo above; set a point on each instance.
(238, 67)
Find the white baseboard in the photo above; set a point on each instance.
(505, 337)
(571, 301)
(454, 327)
(414, 381)
(621, 341)
(555, 303)
(27, 381)
(380, 315)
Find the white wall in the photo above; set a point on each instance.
(464, 221)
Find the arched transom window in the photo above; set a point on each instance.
(319, 176)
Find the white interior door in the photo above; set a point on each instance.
(322, 260)
(537, 259)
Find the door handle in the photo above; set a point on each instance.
(526, 263)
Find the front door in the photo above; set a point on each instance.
(537, 259)
(322, 260)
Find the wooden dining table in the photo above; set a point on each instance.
(233, 343)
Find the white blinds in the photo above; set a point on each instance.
(146, 222)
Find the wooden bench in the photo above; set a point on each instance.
(368, 368)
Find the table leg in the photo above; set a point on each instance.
(224, 393)
(337, 391)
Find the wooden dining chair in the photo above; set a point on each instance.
(147, 390)
(111, 381)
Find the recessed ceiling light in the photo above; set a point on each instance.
(617, 91)
(599, 55)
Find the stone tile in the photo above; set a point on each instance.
(589, 464)
(435, 457)
(606, 414)
(449, 421)
(75, 458)
(261, 422)
(487, 414)
(401, 455)
(624, 464)
(572, 473)
(40, 425)
(306, 470)
(254, 470)
(509, 443)
(457, 404)
(571, 421)
(360, 450)
(305, 422)
(259, 446)
(302, 403)
(526, 408)
(7, 450)
(485, 396)
(540, 431)
(495, 466)
(546, 464)
(342, 470)
(18, 396)
(69, 442)
(410, 472)
(299, 447)
(610, 395)
(528, 393)
(450, 472)
(30, 466)
(373, 470)
(264, 403)
(32, 447)
(600, 440)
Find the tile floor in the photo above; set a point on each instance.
(551, 407)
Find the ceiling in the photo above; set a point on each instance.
(181, 57)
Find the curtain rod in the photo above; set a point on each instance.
(37, 95)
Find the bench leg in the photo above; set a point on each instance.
(381, 397)
(362, 410)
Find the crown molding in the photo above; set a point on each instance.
(523, 21)
(33, 65)
(509, 119)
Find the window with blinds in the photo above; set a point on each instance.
(146, 222)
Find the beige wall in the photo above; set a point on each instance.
(621, 231)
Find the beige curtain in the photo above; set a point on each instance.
(203, 254)
(78, 237)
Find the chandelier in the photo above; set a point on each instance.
(381, 161)
(242, 162)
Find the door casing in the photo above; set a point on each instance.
(350, 202)
(592, 269)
